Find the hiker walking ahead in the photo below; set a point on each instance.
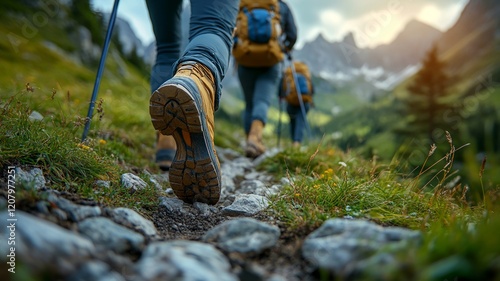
(183, 105)
(265, 29)
(289, 91)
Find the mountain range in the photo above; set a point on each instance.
(384, 66)
(368, 70)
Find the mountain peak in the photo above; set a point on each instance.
(321, 39)
(414, 31)
(419, 26)
(349, 39)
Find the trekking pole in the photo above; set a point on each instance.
(111, 24)
(299, 94)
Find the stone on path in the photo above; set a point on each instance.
(173, 205)
(96, 271)
(43, 244)
(246, 205)
(75, 212)
(340, 243)
(244, 235)
(134, 220)
(33, 178)
(109, 235)
(183, 260)
(132, 182)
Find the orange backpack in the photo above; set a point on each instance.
(258, 31)
(304, 84)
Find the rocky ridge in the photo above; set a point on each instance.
(234, 240)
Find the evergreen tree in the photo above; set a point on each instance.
(428, 103)
(83, 14)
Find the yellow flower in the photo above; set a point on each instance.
(327, 173)
(330, 152)
(82, 146)
(103, 142)
(297, 194)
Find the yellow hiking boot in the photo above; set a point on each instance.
(184, 108)
(255, 147)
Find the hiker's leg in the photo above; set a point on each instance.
(184, 105)
(292, 114)
(247, 77)
(166, 21)
(210, 37)
(300, 124)
(266, 87)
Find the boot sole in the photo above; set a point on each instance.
(193, 174)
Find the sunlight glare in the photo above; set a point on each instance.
(431, 15)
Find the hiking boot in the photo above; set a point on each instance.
(255, 147)
(165, 151)
(184, 108)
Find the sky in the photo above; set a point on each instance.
(373, 22)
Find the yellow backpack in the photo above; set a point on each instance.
(258, 31)
(304, 84)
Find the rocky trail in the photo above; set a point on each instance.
(68, 238)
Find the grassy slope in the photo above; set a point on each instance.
(121, 137)
(125, 97)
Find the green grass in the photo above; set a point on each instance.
(61, 85)
(68, 165)
(459, 236)
(329, 183)
(48, 143)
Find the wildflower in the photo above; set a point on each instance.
(330, 152)
(343, 164)
(328, 173)
(82, 146)
(103, 142)
(297, 195)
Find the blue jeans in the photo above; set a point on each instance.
(297, 121)
(210, 37)
(259, 85)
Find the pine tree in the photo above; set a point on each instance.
(427, 103)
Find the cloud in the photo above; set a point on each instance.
(330, 18)
(433, 15)
(378, 21)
